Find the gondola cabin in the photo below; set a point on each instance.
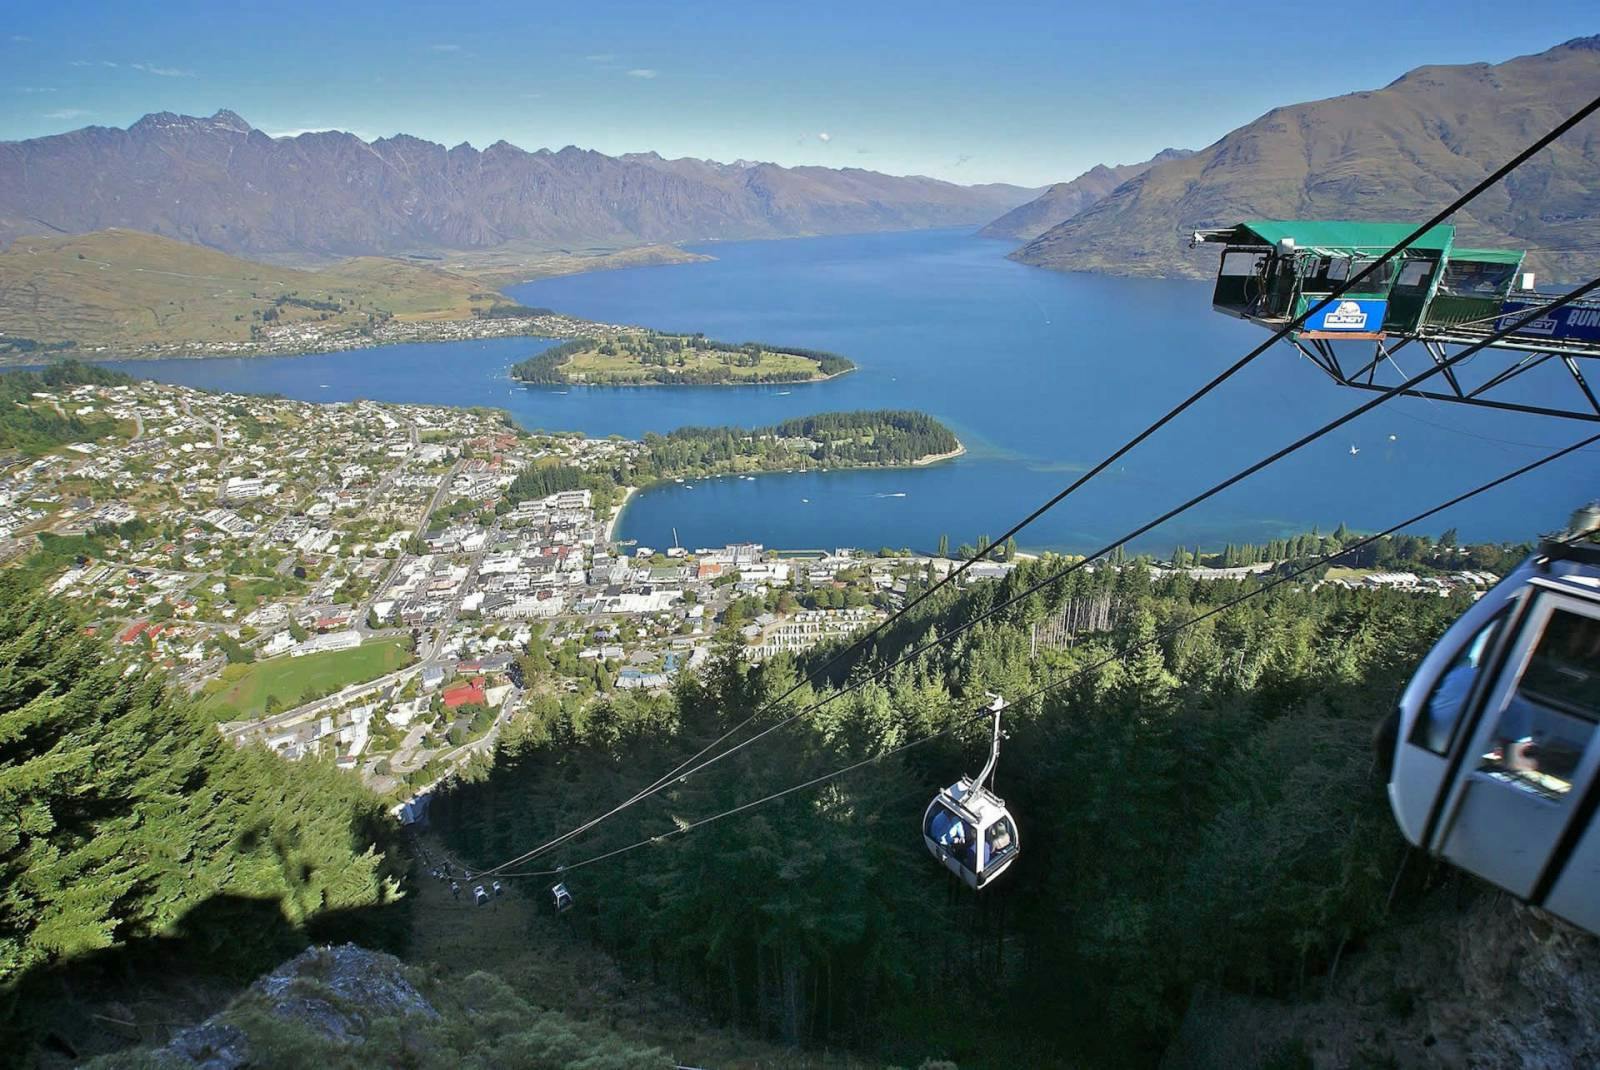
(968, 829)
(1497, 759)
(560, 898)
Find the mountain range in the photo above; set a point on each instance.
(1064, 200)
(1398, 153)
(221, 183)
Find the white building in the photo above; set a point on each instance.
(332, 641)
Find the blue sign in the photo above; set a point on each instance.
(1576, 321)
(1347, 314)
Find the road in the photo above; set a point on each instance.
(216, 429)
(437, 500)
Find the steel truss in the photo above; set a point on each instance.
(1505, 361)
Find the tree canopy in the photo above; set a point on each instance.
(127, 819)
(1198, 811)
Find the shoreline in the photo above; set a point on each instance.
(935, 458)
(616, 516)
(330, 347)
(624, 385)
(627, 383)
(920, 462)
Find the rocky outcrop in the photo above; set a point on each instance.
(333, 992)
(345, 1007)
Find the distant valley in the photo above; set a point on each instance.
(1064, 200)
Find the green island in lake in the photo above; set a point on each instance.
(655, 358)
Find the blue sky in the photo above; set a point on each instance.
(1021, 92)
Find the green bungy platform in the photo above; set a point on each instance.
(1273, 270)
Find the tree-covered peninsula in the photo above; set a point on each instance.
(878, 438)
(885, 438)
(655, 358)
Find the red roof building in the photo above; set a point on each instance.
(468, 694)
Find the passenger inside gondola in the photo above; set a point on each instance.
(999, 840)
(1549, 720)
(955, 835)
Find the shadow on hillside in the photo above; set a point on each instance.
(146, 989)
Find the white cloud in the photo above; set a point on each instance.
(163, 72)
(824, 136)
(444, 48)
(67, 113)
(602, 57)
(31, 89)
(20, 39)
(642, 72)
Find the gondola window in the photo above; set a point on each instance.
(1550, 717)
(1437, 725)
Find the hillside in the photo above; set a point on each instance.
(1227, 836)
(221, 183)
(1064, 200)
(129, 288)
(1491, 983)
(1396, 153)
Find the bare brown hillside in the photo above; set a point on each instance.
(1397, 153)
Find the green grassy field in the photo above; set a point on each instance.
(243, 691)
(1340, 572)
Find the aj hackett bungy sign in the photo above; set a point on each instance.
(1356, 316)
(1581, 321)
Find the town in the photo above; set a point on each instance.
(352, 580)
(316, 336)
(367, 583)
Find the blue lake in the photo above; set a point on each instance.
(1041, 374)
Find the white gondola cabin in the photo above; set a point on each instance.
(967, 827)
(1496, 758)
(561, 898)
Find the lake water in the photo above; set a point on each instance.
(1040, 374)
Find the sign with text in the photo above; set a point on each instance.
(1570, 321)
(1355, 315)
